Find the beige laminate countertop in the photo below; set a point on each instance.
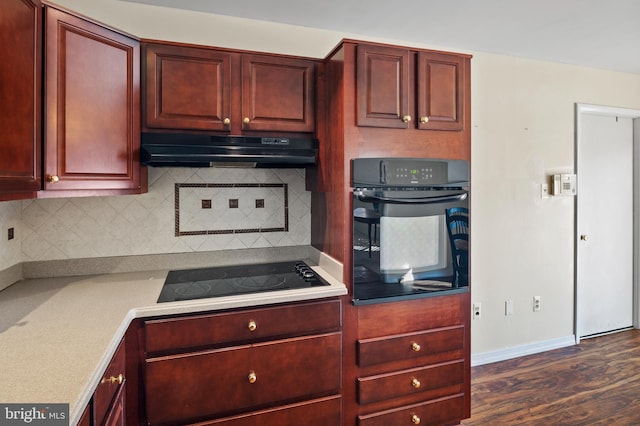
(57, 335)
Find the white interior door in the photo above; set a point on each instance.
(604, 276)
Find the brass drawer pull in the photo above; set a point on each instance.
(415, 419)
(415, 347)
(252, 377)
(114, 380)
(252, 326)
(415, 383)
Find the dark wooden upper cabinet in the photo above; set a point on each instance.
(20, 98)
(383, 84)
(204, 89)
(187, 88)
(393, 92)
(278, 94)
(440, 91)
(92, 109)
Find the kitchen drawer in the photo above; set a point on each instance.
(213, 383)
(412, 346)
(317, 412)
(412, 315)
(416, 381)
(198, 331)
(111, 383)
(441, 411)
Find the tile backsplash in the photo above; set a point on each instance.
(73, 228)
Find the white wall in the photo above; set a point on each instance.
(523, 131)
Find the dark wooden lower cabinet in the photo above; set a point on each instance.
(85, 419)
(108, 399)
(434, 412)
(282, 366)
(116, 415)
(317, 412)
(223, 381)
(412, 361)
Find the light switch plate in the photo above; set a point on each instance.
(544, 190)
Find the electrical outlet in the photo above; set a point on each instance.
(537, 304)
(477, 310)
(10, 234)
(508, 307)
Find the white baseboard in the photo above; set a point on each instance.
(518, 351)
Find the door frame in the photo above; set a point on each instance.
(580, 110)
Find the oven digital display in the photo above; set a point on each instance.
(408, 173)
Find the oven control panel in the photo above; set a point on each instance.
(408, 172)
(413, 173)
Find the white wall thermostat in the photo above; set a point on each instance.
(564, 184)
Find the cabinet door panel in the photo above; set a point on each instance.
(440, 91)
(187, 88)
(319, 412)
(383, 95)
(413, 382)
(441, 411)
(20, 94)
(110, 390)
(278, 94)
(213, 383)
(92, 133)
(412, 346)
(198, 331)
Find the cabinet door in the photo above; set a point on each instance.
(278, 94)
(383, 94)
(216, 383)
(92, 101)
(187, 88)
(108, 399)
(441, 94)
(116, 414)
(20, 94)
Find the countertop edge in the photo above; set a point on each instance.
(335, 289)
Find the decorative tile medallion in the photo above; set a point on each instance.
(230, 208)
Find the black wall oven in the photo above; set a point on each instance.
(410, 228)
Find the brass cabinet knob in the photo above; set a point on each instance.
(406, 118)
(424, 120)
(226, 121)
(114, 380)
(415, 347)
(415, 419)
(53, 178)
(246, 120)
(252, 325)
(415, 383)
(252, 377)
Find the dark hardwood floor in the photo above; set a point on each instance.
(594, 383)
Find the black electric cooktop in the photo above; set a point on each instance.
(189, 284)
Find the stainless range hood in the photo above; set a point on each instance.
(194, 150)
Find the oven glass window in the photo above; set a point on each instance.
(410, 242)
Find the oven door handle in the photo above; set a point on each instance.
(369, 197)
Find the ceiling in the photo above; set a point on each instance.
(592, 33)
